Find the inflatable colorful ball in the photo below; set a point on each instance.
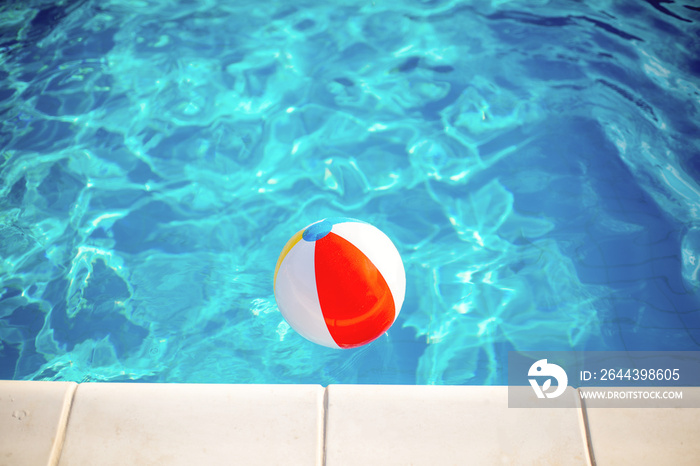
(340, 282)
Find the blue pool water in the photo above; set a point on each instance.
(536, 164)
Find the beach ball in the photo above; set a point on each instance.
(340, 282)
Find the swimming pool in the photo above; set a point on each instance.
(534, 162)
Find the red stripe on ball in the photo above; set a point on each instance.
(356, 301)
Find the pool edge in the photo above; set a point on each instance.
(311, 424)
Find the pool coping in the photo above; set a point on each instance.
(65, 423)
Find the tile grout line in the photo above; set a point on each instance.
(325, 426)
(586, 428)
(57, 446)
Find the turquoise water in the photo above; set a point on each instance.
(536, 164)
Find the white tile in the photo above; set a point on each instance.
(429, 425)
(32, 421)
(179, 424)
(646, 435)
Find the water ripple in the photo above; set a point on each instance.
(535, 165)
